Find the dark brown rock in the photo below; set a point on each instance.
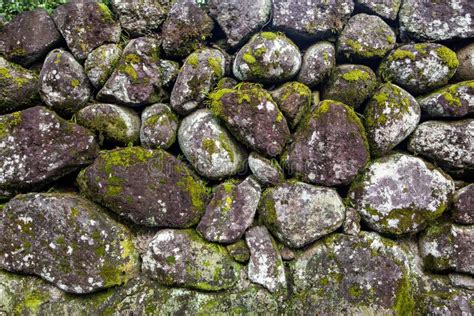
(463, 205)
(294, 100)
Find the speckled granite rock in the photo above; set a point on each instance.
(387, 9)
(100, 63)
(159, 126)
(318, 62)
(463, 205)
(267, 172)
(466, 63)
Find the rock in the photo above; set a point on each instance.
(351, 224)
(388, 10)
(63, 83)
(466, 63)
(462, 280)
(111, 123)
(29, 37)
(239, 251)
(200, 72)
(139, 17)
(149, 187)
(365, 37)
(209, 147)
(448, 247)
(463, 205)
(169, 72)
(239, 20)
(268, 57)
(329, 146)
(137, 79)
(252, 117)
(18, 87)
(185, 29)
(37, 147)
(293, 99)
(287, 254)
(456, 100)
(159, 126)
(419, 68)
(265, 266)
(318, 62)
(267, 172)
(350, 84)
(436, 21)
(226, 83)
(314, 19)
(390, 116)
(100, 63)
(399, 194)
(230, 211)
(298, 213)
(449, 144)
(182, 258)
(66, 240)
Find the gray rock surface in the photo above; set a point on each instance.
(159, 126)
(318, 61)
(267, 172)
(100, 63)
(387, 9)
(463, 205)
(466, 63)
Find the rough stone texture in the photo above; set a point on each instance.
(182, 258)
(329, 146)
(466, 63)
(67, 240)
(318, 62)
(387, 9)
(200, 72)
(100, 63)
(268, 57)
(390, 116)
(350, 84)
(18, 87)
(86, 26)
(112, 124)
(365, 37)
(226, 83)
(265, 266)
(63, 84)
(463, 205)
(314, 19)
(298, 213)
(293, 99)
(159, 126)
(437, 21)
(240, 19)
(169, 72)
(267, 172)
(448, 247)
(29, 37)
(137, 79)
(239, 251)
(351, 224)
(230, 211)
(252, 117)
(419, 68)
(37, 147)
(399, 194)
(149, 187)
(209, 147)
(186, 28)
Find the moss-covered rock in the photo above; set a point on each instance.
(388, 10)
(293, 99)
(463, 205)
(159, 126)
(267, 172)
(169, 72)
(318, 62)
(100, 63)
(239, 251)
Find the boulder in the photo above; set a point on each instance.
(100, 63)
(318, 62)
(159, 126)
(466, 63)
(293, 99)
(387, 10)
(267, 172)
(462, 210)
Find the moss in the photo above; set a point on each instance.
(354, 290)
(132, 58)
(106, 13)
(75, 83)
(390, 39)
(130, 71)
(209, 146)
(216, 102)
(356, 75)
(58, 58)
(125, 157)
(8, 122)
(228, 186)
(193, 60)
(198, 192)
(404, 301)
(260, 51)
(20, 82)
(5, 73)
(225, 142)
(248, 58)
(401, 54)
(215, 63)
(31, 302)
(448, 57)
(170, 260)
(269, 35)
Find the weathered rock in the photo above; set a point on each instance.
(267, 172)
(455, 100)
(293, 99)
(466, 63)
(112, 124)
(140, 17)
(351, 224)
(419, 68)
(287, 254)
(350, 84)
(365, 37)
(462, 280)
(436, 21)
(448, 247)
(314, 19)
(63, 84)
(29, 37)
(37, 147)
(298, 213)
(18, 87)
(318, 62)
(182, 258)
(66, 240)
(169, 72)
(253, 118)
(149, 187)
(240, 19)
(137, 79)
(209, 147)
(399, 194)
(230, 211)
(383, 8)
(463, 205)
(239, 251)
(159, 126)
(265, 266)
(268, 57)
(200, 72)
(100, 63)
(186, 28)
(226, 83)
(390, 116)
(329, 147)
(449, 144)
